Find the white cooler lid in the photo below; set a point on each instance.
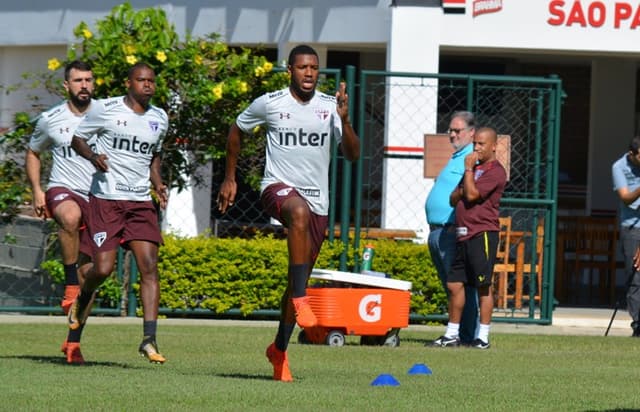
(360, 279)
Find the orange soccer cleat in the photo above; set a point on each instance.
(74, 356)
(149, 349)
(280, 364)
(304, 314)
(71, 292)
(77, 316)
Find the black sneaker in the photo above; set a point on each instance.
(480, 344)
(636, 333)
(444, 341)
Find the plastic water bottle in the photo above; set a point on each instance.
(367, 258)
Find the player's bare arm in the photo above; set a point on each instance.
(156, 180)
(99, 161)
(33, 165)
(229, 187)
(350, 145)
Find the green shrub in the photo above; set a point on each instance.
(411, 262)
(109, 293)
(250, 274)
(220, 274)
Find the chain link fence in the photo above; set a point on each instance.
(386, 189)
(398, 110)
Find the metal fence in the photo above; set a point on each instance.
(386, 188)
(403, 107)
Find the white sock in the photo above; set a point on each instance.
(483, 332)
(452, 330)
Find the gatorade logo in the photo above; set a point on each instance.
(370, 309)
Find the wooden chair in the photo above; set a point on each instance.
(511, 271)
(503, 264)
(566, 229)
(595, 253)
(530, 267)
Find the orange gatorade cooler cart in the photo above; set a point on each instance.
(372, 307)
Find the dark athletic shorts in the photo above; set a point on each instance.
(117, 222)
(273, 196)
(475, 257)
(56, 195)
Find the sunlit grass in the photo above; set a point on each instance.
(214, 367)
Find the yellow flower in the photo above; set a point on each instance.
(259, 71)
(99, 81)
(267, 66)
(53, 64)
(198, 59)
(220, 48)
(129, 48)
(243, 87)
(256, 129)
(161, 56)
(217, 91)
(87, 33)
(131, 59)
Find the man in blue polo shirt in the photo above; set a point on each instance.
(626, 183)
(441, 216)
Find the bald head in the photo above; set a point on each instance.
(485, 142)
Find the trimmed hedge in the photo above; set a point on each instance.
(251, 274)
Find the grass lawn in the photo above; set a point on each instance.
(223, 368)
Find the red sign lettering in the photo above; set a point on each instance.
(593, 14)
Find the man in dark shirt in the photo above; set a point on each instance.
(476, 200)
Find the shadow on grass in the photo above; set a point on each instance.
(416, 340)
(245, 376)
(59, 360)
(614, 410)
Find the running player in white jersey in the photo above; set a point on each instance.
(301, 122)
(66, 197)
(129, 132)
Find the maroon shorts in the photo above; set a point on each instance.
(55, 196)
(273, 196)
(117, 222)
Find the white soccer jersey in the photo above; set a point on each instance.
(54, 131)
(129, 140)
(298, 142)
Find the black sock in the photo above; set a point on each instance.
(75, 334)
(149, 328)
(298, 275)
(84, 298)
(71, 274)
(284, 335)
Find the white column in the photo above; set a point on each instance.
(188, 212)
(611, 125)
(410, 113)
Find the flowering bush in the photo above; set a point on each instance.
(201, 82)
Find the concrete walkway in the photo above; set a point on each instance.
(566, 321)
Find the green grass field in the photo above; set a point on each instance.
(222, 367)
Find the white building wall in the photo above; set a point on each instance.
(14, 61)
(413, 37)
(613, 103)
(411, 112)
